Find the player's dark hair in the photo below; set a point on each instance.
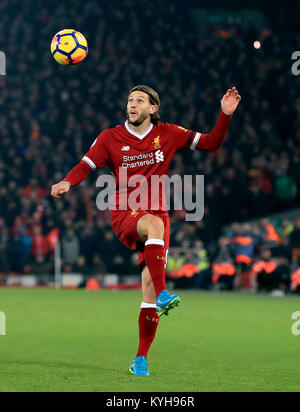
(153, 97)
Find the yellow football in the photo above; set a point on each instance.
(69, 47)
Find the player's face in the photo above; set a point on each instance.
(139, 108)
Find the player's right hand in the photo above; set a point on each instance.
(60, 188)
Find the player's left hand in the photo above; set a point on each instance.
(230, 101)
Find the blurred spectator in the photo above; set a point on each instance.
(265, 269)
(40, 245)
(184, 278)
(88, 243)
(223, 268)
(98, 266)
(203, 277)
(4, 258)
(283, 274)
(295, 241)
(243, 245)
(82, 267)
(40, 266)
(175, 262)
(109, 246)
(271, 238)
(17, 257)
(284, 250)
(33, 190)
(295, 281)
(287, 229)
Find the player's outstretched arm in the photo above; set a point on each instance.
(230, 101)
(74, 178)
(60, 189)
(96, 157)
(214, 140)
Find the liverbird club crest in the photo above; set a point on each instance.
(134, 213)
(156, 142)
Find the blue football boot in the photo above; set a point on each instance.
(165, 302)
(139, 367)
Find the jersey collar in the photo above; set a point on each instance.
(140, 136)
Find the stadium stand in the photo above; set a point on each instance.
(51, 115)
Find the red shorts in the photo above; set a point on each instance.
(124, 224)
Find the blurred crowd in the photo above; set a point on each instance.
(263, 255)
(50, 115)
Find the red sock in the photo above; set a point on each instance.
(156, 261)
(148, 322)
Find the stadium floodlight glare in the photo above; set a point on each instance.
(257, 45)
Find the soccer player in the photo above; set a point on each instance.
(145, 146)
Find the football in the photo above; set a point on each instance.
(69, 47)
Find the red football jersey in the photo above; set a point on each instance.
(129, 153)
(140, 161)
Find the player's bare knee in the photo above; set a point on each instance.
(151, 227)
(156, 228)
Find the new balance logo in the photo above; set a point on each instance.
(160, 157)
(125, 148)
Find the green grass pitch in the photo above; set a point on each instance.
(85, 341)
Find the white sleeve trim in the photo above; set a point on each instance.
(158, 242)
(89, 162)
(195, 141)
